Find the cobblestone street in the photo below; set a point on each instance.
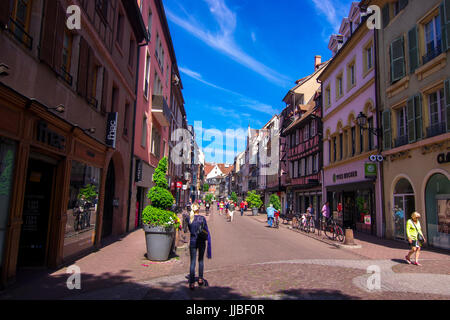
(250, 261)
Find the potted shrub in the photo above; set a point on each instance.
(159, 223)
(234, 197)
(254, 201)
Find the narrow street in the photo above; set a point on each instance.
(250, 261)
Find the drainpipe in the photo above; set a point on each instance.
(130, 182)
(379, 136)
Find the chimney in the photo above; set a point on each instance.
(317, 62)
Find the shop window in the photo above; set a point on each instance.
(7, 160)
(82, 208)
(404, 205)
(437, 201)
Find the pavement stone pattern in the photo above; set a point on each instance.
(136, 278)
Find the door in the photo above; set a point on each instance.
(108, 211)
(349, 209)
(36, 214)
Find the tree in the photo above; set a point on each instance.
(205, 187)
(275, 200)
(254, 200)
(234, 197)
(209, 197)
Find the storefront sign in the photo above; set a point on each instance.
(138, 176)
(111, 129)
(370, 170)
(45, 135)
(179, 184)
(343, 176)
(443, 158)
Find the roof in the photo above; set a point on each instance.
(209, 167)
(309, 111)
(224, 169)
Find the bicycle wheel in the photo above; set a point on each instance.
(311, 226)
(329, 232)
(339, 234)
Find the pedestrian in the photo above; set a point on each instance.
(198, 228)
(310, 210)
(415, 238)
(231, 209)
(246, 205)
(270, 214)
(326, 211)
(207, 205)
(242, 206)
(222, 205)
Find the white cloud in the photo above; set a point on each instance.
(253, 35)
(334, 11)
(223, 41)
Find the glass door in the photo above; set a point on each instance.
(403, 207)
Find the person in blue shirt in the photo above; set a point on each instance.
(197, 244)
(270, 214)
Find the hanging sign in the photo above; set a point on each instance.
(370, 170)
(111, 129)
(367, 219)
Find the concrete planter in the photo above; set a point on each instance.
(255, 211)
(159, 242)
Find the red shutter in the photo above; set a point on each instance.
(4, 13)
(105, 91)
(83, 68)
(59, 37)
(48, 33)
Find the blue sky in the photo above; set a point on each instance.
(239, 58)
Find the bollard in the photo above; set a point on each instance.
(349, 239)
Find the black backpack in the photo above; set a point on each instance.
(202, 234)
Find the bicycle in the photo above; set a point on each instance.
(333, 231)
(296, 221)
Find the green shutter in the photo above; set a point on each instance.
(446, 5)
(411, 120)
(387, 132)
(443, 27)
(386, 15)
(413, 50)
(418, 116)
(447, 102)
(397, 59)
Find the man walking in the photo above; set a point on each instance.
(242, 208)
(270, 214)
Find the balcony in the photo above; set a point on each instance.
(160, 110)
(436, 129)
(401, 141)
(432, 53)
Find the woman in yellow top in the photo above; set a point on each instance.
(413, 230)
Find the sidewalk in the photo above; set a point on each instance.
(434, 260)
(101, 269)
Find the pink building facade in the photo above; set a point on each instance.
(153, 115)
(351, 179)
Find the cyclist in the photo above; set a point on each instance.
(270, 214)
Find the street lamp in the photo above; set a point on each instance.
(60, 109)
(362, 122)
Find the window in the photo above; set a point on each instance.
(144, 132)
(401, 122)
(66, 51)
(371, 135)
(361, 140)
(351, 75)
(327, 97)
(114, 100)
(131, 53)
(156, 142)
(297, 137)
(306, 166)
(296, 172)
(313, 128)
(437, 107)
(147, 76)
(306, 133)
(334, 149)
(119, 32)
(301, 168)
(433, 38)
(368, 57)
(341, 146)
(157, 85)
(149, 27)
(126, 119)
(339, 86)
(93, 95)
(397, 56)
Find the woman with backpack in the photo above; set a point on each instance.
(199, 235)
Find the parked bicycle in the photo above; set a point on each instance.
(332, 230)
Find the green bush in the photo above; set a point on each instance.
(209, 198)
(275, 200)
(234, 197)
(205, 187)
(161, 199)
(254, 200)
